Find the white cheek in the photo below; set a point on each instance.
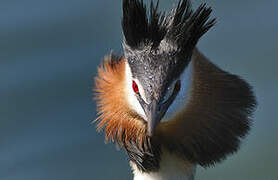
(181, 99)
(130, 95)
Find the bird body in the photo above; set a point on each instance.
(163, 101)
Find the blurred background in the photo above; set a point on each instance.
(49, 51)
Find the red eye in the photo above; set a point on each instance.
(135, 87)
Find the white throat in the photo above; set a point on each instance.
(171, 168)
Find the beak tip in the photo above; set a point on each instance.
(153, 118)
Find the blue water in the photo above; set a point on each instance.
(49, 51)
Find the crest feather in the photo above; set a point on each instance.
(181, 27)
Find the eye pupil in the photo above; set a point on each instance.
(135, 87)
(178, 85)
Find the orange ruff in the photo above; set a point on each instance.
(122, 125)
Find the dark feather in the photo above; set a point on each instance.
(137, 27)
(146, 159)
(181, 26)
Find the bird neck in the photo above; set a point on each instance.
(170, 167)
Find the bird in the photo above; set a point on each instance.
(164, 102)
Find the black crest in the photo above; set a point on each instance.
(181, 27)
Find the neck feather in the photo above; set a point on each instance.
(171, 167)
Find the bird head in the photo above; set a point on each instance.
(157, 50)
